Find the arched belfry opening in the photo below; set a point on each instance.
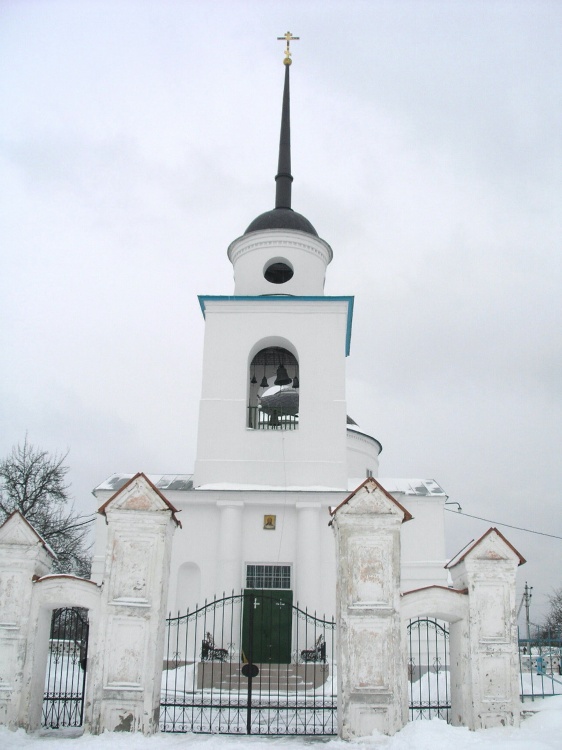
(273, 402)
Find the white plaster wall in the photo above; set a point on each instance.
(312, 455)
(187, 588)
(423, 542)
(198, 544)
(100, 540)
(362, 454)
(307, 255)
(301, 539)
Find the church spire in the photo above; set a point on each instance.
(283, 216)
(284, 178)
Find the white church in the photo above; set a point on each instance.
(276, 448)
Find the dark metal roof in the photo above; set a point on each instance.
(281, 218)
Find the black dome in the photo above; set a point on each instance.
(281, 218)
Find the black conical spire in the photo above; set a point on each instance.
(283, 216)
(284, 178)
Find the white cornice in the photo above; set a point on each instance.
(278, 239)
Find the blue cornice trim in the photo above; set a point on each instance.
(204, 298)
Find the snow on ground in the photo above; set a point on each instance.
(541, 731)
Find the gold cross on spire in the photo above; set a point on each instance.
(288, 38)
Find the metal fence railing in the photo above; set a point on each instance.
(429, 670)
(276, 419)
(63, 698)
(540, 664)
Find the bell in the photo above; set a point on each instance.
(254, 380)
(282, 377)
(295, 382)
(264, 383)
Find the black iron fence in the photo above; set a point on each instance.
(274, 419)
(540, 661)
(540, 665)
(65, 680)
(251, 663)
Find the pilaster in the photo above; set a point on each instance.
(308, 573)
(488, 570)
(230, 545)
(371, 648)
(127, 677)
(24, 556)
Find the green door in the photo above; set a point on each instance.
(266, 628)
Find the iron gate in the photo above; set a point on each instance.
(428, 669)
(65, 680)
(251, 663)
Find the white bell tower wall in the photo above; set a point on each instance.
(304, 254)
(317, 330)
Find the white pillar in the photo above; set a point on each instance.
(488, 571)
(308, 572)
(372, 651)
(128, 674)
(229, 568)
(23, 557)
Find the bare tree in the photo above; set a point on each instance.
(553, 621)
(34, 482)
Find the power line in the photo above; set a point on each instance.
(500, 523)
(54, 532)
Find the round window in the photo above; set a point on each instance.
(278, 272)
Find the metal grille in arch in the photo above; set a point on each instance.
(428, 669)
(65, 680)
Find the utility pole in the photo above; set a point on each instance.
(527, 594)
(526, 600)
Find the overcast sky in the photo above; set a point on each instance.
(138, 139)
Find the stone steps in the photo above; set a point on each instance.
(284, 677)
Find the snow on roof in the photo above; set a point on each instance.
(418, 487)
(269, 487)
(184, 482)
(160, 481)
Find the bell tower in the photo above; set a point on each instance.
(272, 410)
